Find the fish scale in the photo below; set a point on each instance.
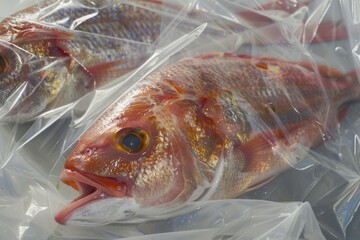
(104, 20)
(232, 123)
(241, 89)
(132, 22)
(90, 34)
(110, 40)
(314, 109)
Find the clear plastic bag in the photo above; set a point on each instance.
(308, 33)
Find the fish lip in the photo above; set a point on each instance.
(90, 189)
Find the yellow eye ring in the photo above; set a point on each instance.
(131, 140)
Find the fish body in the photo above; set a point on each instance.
(137, 20)
(210, 126)
(80, 45)
(60, 52)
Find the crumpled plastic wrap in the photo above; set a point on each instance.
(316, 198)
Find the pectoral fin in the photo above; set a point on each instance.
(268, 149)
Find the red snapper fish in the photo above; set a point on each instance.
(53, 53)
(214, 125)
(61, 50)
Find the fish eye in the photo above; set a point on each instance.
(3, 64)
(131, 140)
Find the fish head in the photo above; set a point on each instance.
(27, 82)
(139, 155)
(35, 70)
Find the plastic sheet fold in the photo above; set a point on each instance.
(70, 66)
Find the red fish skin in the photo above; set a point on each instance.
(40, 31)
(249, 113)
(78, 62)
(103, 148)
(96, 18)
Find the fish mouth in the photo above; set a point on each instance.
(91, 188)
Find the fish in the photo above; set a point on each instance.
(55, 52)
(211, 126)
(52, 54)
(138, 20)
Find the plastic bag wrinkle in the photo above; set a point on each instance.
(336, 178)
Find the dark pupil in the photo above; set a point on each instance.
(132, 141)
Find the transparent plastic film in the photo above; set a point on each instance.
(173, 119)
(296, 221)
(109, 57)
(67, 34)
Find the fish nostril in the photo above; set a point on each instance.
(89, 152)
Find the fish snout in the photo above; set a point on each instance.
(91, 187)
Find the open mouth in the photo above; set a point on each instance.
(91, 188)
